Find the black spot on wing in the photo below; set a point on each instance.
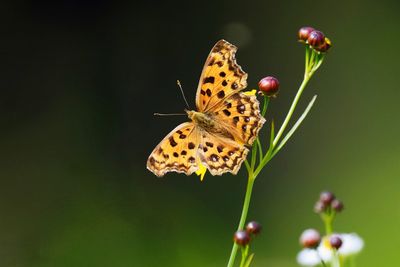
(234, 86)
(241, 108)
(214, 158)
(226, 112)
(209, 79)
(191, 145)
(172, 141)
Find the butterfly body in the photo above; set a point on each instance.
(206, 122)
(222, 128)
(201, 119)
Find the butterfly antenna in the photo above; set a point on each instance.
(168, 114)
(180, 87)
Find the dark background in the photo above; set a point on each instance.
(79, 83)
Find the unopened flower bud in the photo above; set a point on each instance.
(326, 197)
(319, 207)
(310, 238)
(269, 86)
(337, 205)
(242, 238)
(316, 39)
(253, 227)
(304, 33)
(325, 45)
(335, 241)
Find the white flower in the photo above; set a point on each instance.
(308, 257)
(325, 250)
(352, 244)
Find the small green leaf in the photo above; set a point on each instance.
(260, 150)
(272, 137)
(254, 151)
(296, 125)
(249, 260)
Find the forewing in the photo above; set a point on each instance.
(220, 78)
(176, 152)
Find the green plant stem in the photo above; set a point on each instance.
(245, 253)
(328, 222)
(246, 204)
(265, 106)
(336, 259)
(270, 153)
(292, 108)
(328, 226)
(252, 171)
(307, 57)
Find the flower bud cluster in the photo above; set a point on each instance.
(328, 202)
(331, 247)
(314, 38)
(243, 237)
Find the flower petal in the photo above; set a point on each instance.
(308, 257)
(352, 244)
(325, 250)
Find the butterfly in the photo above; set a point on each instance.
(223, 127)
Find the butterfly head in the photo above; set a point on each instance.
(191, 114)
(197, 117)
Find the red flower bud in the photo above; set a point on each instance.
(310, 238)
(304, 32)
(335, 241)
(337, 205)
(253, 227)
(326, 197)
(319, 207)
(316, 39)
(269, 86)
(242, 238)
(325, 46)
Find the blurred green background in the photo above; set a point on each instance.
(80, 81)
